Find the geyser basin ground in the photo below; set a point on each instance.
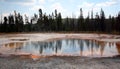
(101, 42)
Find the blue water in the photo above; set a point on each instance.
(68, 47)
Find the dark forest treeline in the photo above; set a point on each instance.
(55, 23)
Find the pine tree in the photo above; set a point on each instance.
(102, 20)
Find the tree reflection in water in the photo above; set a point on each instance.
(75, 47)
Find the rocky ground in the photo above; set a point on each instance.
(59, 62)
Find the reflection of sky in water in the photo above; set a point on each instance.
(65, 47)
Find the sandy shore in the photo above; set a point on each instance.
(55, 62)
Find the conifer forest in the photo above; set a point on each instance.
(55, 23)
